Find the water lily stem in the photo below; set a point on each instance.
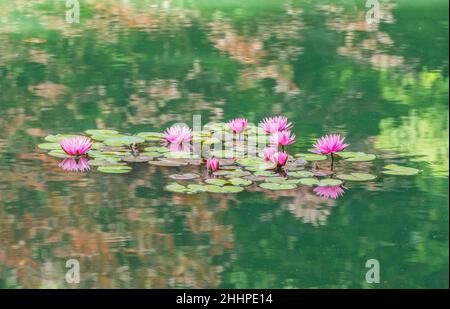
(332, 161)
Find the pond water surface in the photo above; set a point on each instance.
(138, 66)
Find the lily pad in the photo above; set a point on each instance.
(232, 189)
(216, 182)
(114, 169)
(309, 181)
(58, 137)
(394, 169)
(240, 182)
(310, 156)
(114, 141)
(185, 176)
(363, 157)
(265, 173)
(329, 182)
(59, 154)
(128, 140)
(197, 187)
(277, 186)
(250, 161)
(151, 136)
(282, 180)
(177, 188)
(101, 132)
(49, 146)
(356, 177)
(238, 173)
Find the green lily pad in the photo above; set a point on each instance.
(49, 146)
(265, 173)
(213, 188)
(151, 136)
(362, 158)
(216, 182)
(356, 177)
(58, 137)
(329, 182)
(301, 174)
(152, 154)
(394, 169)
(114, 141)
(101, 132)
(310, 156)
(114, 169)
(197, 188)
(232, 189)
(104, 137)
(282, 180)
(238, 173)
(177, 188)
(250, 161)
(59, 154)
(240, 182)
(309, 181)
(128, 140)
(277, 186)
(185, 176)
(349, 154)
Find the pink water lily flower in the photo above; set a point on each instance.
(332, 192)
(178, 134)
(268, 153)
(75, 165)
(279, 158)
(238, 125)
(212, 164)
(275, 124)
(331, 143)
(76, 146)
(282, 138)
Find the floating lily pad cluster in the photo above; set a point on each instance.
(241, 162)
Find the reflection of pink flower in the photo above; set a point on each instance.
(76, 146)
(282, 138)
(329, 191)
(275, 124)
(279, 158)
(268, 153)
(238, 125)
(178, 134)
(179, 147)
(212, 164)
(330, 144)
(75, 165)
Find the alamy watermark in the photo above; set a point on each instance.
(73, 274)
(73, 12)
(373, 274)
(373, 14)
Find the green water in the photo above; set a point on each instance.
(143, 65)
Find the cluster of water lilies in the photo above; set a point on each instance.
(255, 157)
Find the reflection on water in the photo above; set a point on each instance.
(143, 65)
